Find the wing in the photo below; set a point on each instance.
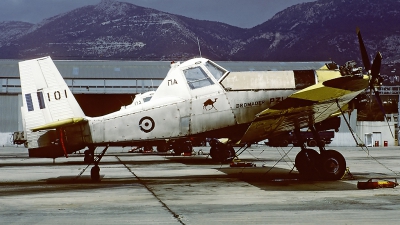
(315, 103)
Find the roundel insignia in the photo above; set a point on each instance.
(146, 124)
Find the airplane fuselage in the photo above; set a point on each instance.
(171, 118)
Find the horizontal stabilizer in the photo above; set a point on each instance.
(60, 123)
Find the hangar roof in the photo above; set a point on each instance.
(113, 69)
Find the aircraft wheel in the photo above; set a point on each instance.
(229, 154)
(214, 153)
(95, 173)
(222, 153)
(332, 165)
(307, 164)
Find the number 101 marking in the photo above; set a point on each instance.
(57, 95)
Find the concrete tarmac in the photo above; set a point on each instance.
(141, 188)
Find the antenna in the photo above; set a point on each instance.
(198, 43)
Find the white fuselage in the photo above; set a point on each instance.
(178, 109)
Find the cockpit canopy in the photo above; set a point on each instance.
(202, 72)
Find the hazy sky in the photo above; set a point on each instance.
(241, 13)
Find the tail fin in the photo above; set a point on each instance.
(47, 101)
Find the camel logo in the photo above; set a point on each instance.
(209, 102)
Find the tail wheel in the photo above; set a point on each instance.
(332, 165)
(306, 162)
(95, 173)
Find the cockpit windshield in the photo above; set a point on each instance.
(196, 78)
(215, 70)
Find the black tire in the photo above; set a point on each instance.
(214, 153)
(222, 153)
(95, 173)
(307, 163)
(332, 165)
(232, 154)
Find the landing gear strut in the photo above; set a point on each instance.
(326, 165)
(89, 155)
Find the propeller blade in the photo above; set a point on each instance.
(376, 66)
(379, 100)
(364, 54)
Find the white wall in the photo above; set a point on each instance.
(360, 128)
(344, 137)
(6, 139)
(380, 131)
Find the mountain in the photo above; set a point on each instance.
(115, 29)
(327, 29)
(11, 30)
(320, 30)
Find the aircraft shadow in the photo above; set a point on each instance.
(278, 179)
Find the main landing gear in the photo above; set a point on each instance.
(221, 152)
(326, 165)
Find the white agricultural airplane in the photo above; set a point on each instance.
(198, 98)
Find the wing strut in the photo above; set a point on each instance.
(347, 122)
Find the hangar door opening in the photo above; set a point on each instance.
(101, 104)
(368, 140)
